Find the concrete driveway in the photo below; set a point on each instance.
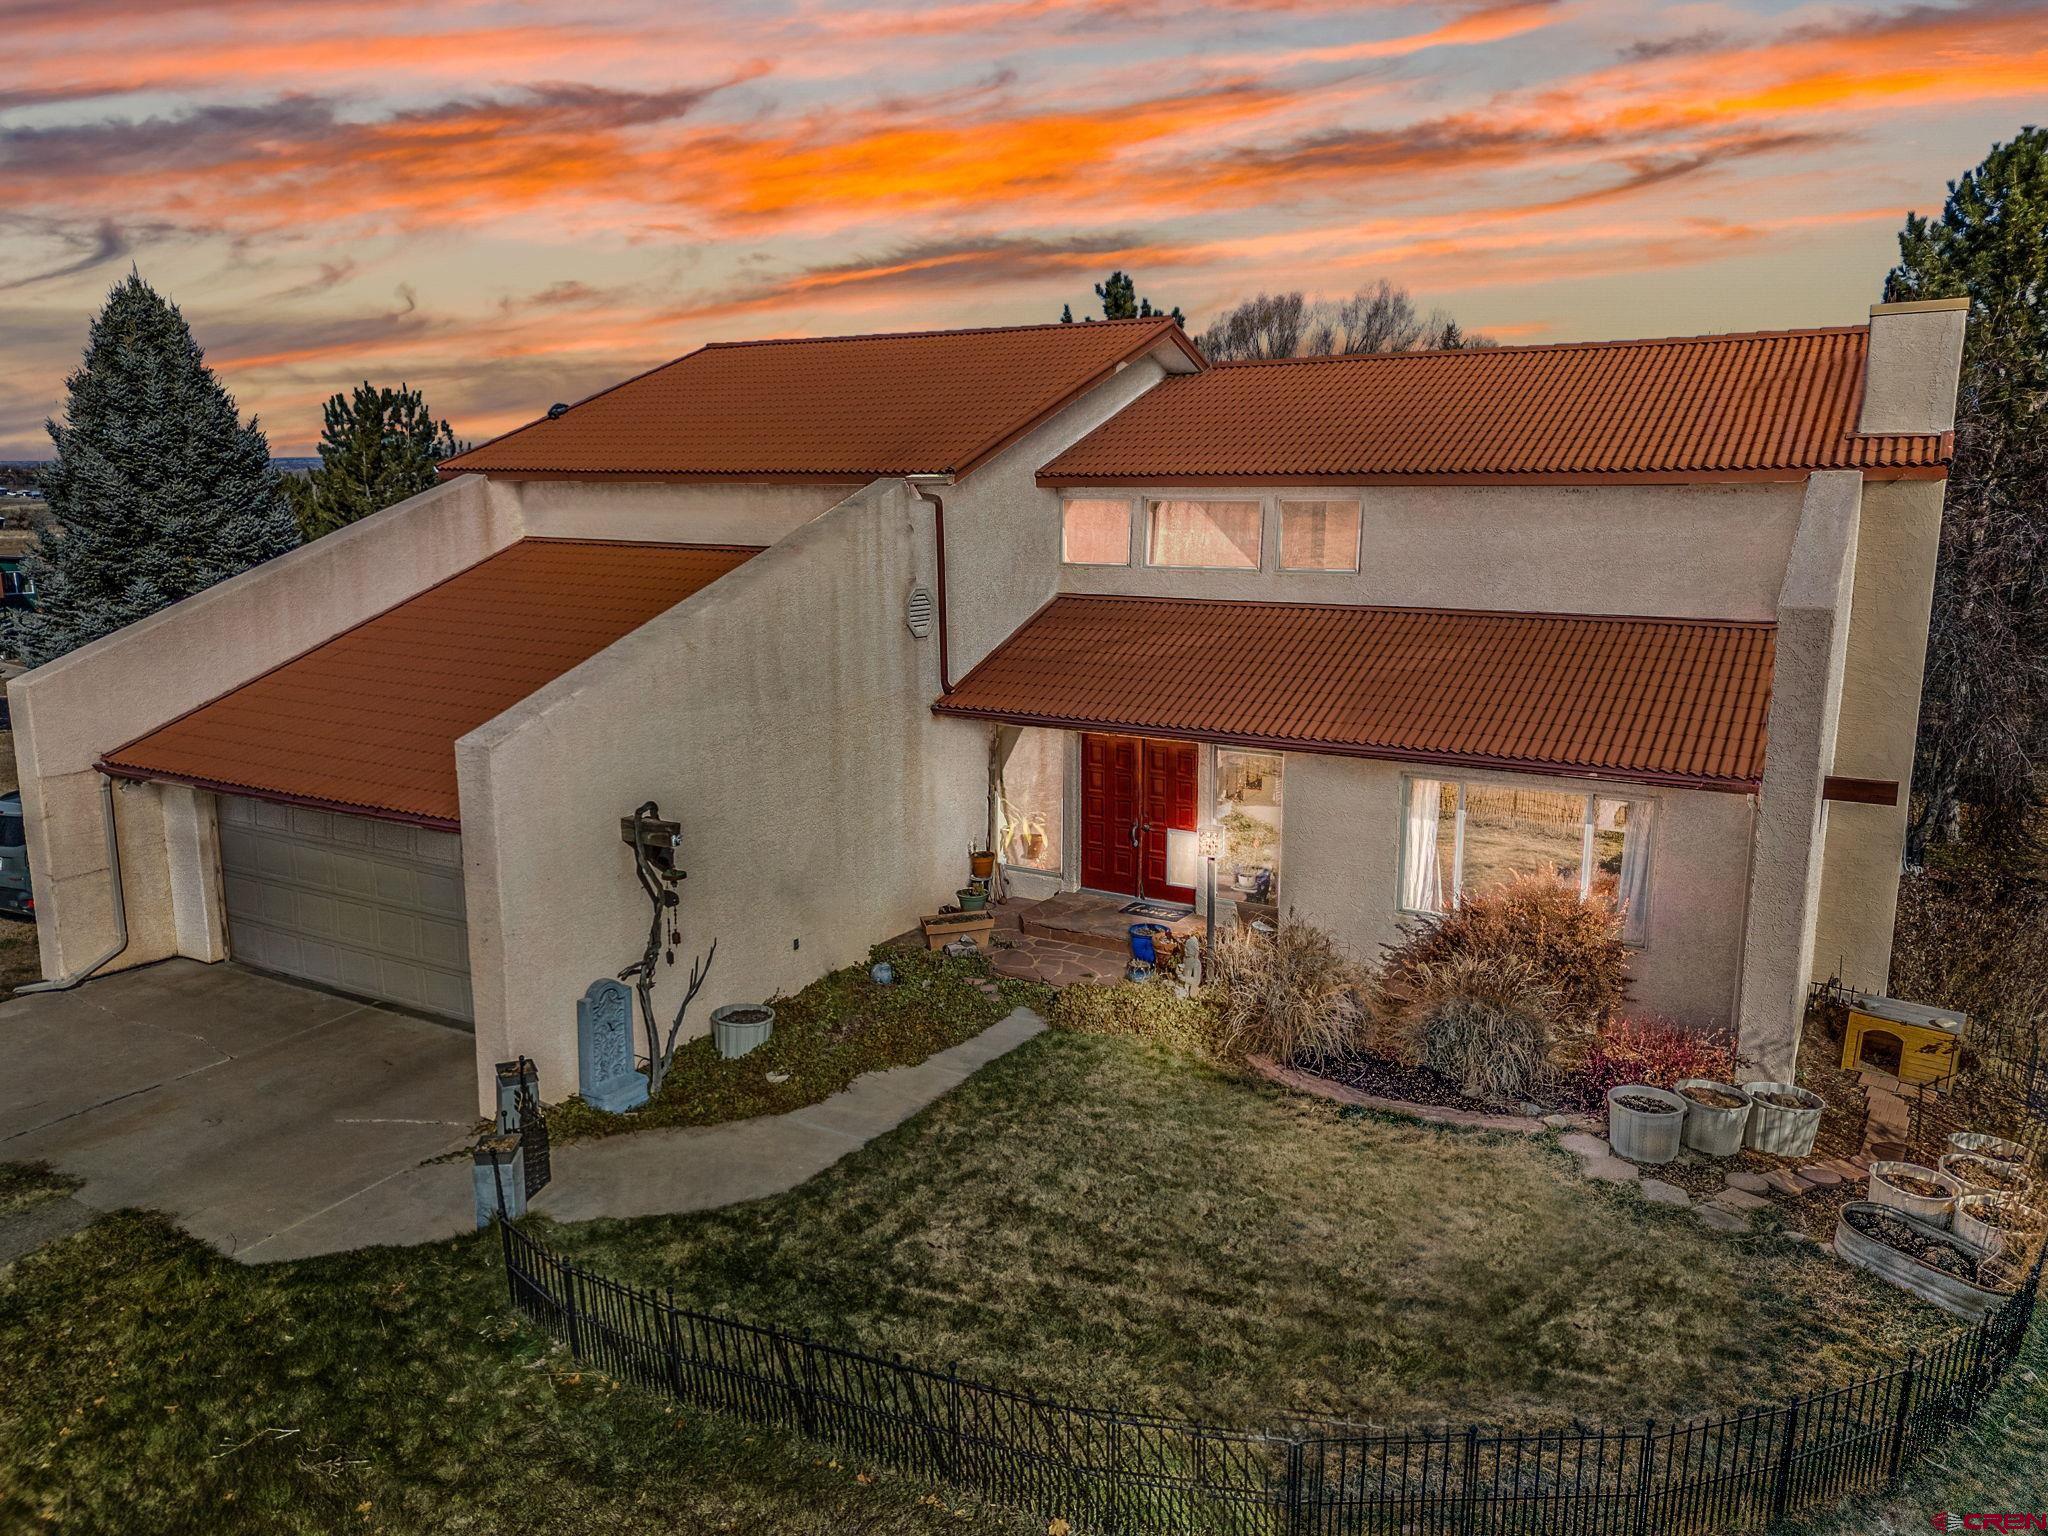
(256, 1112)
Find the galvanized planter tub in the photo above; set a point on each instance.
(739, 1028)
(1993, 1237)
(1935, 1210)
(1977, 1174)
(1951, 1293)
(1639, 1136)
(1711, 1130)
(1780, 1131)
(1984, 1144)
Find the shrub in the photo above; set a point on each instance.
(1573, 946)
(1658, 1052)
(1153, 1012)
(1288, 995)
(1483, 1022)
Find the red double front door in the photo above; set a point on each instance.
(1133, 789)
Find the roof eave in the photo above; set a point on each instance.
(139, 775)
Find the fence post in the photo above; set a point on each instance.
(953, 1457)
(675, 1350)
(571, 1312)
(1296, 1455)
(1781, 1492)
(1643, 1462)
(1468, 1515)
(1902, 1417)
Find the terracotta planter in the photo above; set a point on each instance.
(1640, 1135)
(981, 865)
(1935, 1210)
(1778, 1129)
(1709, 1128)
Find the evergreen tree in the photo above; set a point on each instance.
(1120, 301)
(378, 447)
(1984, 710)
(158, 489)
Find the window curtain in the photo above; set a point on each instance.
(1634, 890)
(1422, 883)
(1002, 741)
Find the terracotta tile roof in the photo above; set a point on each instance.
(828, 407)
(1772, 405)
(1681, 701)
(368, 720)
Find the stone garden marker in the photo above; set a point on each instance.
(604, 1049)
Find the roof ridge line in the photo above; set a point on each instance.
(1539, 346)
(925, 335)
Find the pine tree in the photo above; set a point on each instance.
(1120, 301)
(378, 447)
(1984, 709)
(158, 489)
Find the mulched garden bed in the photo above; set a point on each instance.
(1386, 1079)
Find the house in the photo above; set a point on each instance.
(1648, 615)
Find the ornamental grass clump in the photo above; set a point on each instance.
(1292, 995)
(1481, 1021)
(1533, 924)
(1154, 1013)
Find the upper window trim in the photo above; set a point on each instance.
(1280, 506)
(1152, 504)
(1129, 505)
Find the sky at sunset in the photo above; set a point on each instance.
(509, 204)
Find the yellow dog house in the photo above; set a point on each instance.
(1913, 1042)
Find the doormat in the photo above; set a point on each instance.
(1165, 909)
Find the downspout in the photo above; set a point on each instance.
(66, 983)
(918, 483)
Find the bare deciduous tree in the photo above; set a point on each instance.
(1377, 318)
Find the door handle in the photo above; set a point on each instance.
(1137, 834)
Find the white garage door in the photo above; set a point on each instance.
(363, 906)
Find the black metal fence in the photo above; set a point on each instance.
(1121, 1473)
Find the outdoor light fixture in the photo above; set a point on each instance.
(1188, 849)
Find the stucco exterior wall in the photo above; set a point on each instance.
(1678, 551)
(1898, 537)
(657, 513)
(104, 695)
(1342, 857)
(1003, 528)
(783, 714)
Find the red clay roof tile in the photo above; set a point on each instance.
(368, 720)
(1682, 701)
(828, 407)
(1768, 405)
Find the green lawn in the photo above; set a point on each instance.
(1095, 1219)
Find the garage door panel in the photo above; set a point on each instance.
(368, 907)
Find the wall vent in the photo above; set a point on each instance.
(917, 613)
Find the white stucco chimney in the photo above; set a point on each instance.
(1916, 353)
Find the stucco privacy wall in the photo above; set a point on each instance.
(101, 696)
(1898, 537)
(1806, 694)
(1678, 551)
(1343, 870)
(783, 714)
(654, 512)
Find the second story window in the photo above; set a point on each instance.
(1211, 535)
(1095, 531)
(1318, 535)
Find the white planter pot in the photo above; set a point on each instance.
(1976, 1174)
(1932, 1209)
(1973, 1229)
(1982, 1144)
(739, 1028)
(1640, 1135)
(1715, 1131)
(1777, 1129)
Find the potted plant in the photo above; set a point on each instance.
(1716, 1115)
(738, 1028)
(1783, 1119)
(1991, 1222)
(1644, 1124)
(1924, 1193)
(1979, 1175)
(981, 862)
(971, 898)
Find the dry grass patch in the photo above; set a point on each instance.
(1104, 1221)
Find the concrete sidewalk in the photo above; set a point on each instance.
(658, 1173)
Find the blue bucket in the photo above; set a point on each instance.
(1142, 935)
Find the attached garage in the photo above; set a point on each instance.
(367, 907)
